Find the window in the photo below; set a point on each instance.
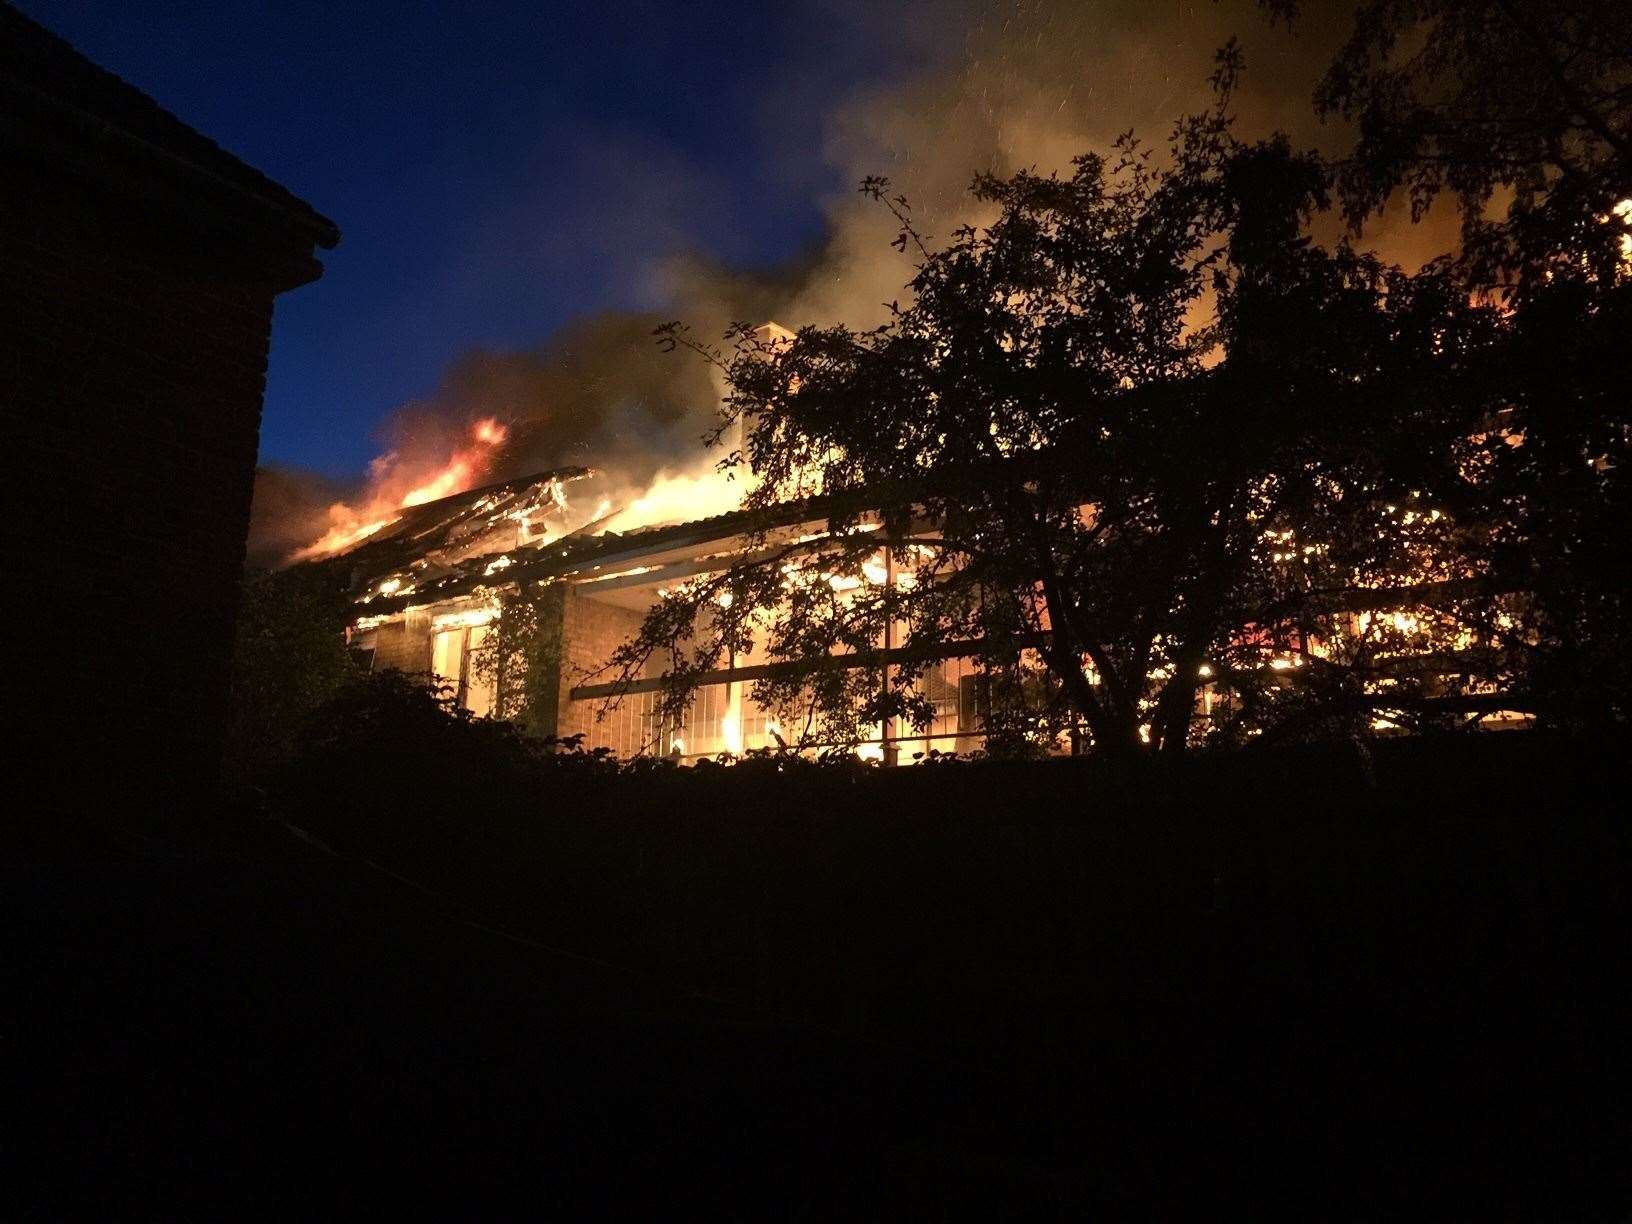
(454, 665)
(480, 693)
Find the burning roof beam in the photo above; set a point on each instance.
(584, 556)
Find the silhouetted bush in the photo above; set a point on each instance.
(391, 763)
(1079, 938)
(289, 657)
(968, 894)
(390, 760)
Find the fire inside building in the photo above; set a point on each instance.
(440, 578)
(433, 589)
(432, 576)
(430, 592)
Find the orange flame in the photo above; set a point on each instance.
(679, 498)
(351, 524)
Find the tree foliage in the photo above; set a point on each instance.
(289, 658)
(521, 656)
(1137, 431)
(1521, 109)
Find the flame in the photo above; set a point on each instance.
(680, 498)
(464, 468)
(731, 725)
(394, 487)
(469, 617)
(342, 535)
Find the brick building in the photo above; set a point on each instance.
(140, 262)
(431, 587)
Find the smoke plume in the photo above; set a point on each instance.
(1009, 85)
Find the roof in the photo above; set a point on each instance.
(43, 68)
(412, 551)
(461, 525)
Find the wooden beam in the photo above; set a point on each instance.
(770, 671)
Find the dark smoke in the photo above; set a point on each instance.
(1014, 85)
(290, 509)
(597, 394)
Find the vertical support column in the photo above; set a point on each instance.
(892, 750)
(553, 683)
(731, 722)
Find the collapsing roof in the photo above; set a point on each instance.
(460, 533)
(523, 530)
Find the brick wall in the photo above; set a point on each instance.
(133, 353)
(591, 631)
(404, 645)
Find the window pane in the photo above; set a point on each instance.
(479, 690)
(447, 654)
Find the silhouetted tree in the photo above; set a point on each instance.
(1555, 483)
(1136, 427)
(1523, 110)
(1520, 108)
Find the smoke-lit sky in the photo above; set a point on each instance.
(482, 160)
(523, 188)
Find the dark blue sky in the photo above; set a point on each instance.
(495, 167)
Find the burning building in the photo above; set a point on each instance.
(432, 589)
(515, 597)
(636, 642)
(442, 580)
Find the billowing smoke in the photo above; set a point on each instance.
(597, 394)
(1030, 84)
(1010, 84)
(289, 511)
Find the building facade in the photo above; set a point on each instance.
(140, 263)
(431, 590)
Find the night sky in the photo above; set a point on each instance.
(521, 193)
(492, 177)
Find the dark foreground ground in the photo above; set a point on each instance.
(1301, 985)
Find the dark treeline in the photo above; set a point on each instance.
(436, 964)
(1256, 977)
(803, 887)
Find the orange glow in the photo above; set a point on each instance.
(342, 535)
(679, 498)
(395, 485)
(463, 469)
(731, 726)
